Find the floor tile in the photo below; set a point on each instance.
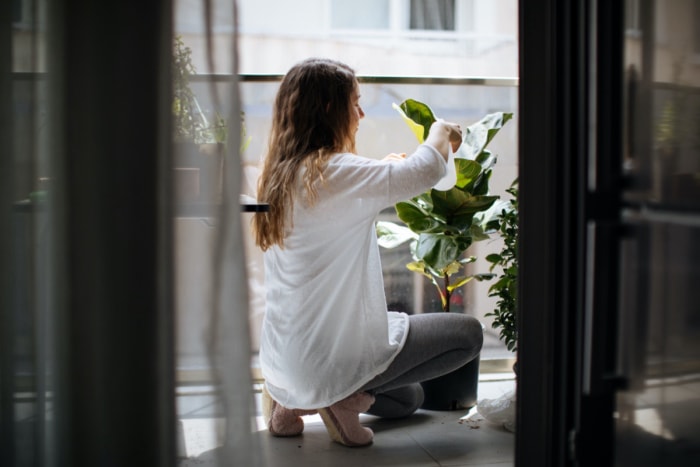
(426, 439)
(315, 449)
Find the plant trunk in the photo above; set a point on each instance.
(448, 294)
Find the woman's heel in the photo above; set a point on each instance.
(281, 421)
(342, 420)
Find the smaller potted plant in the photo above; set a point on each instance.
(502, 409)
(506, 286)
(190, 121)
(441, 225)
(199, 140)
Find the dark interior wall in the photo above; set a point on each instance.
(97, 262)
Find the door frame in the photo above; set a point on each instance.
(568, 159)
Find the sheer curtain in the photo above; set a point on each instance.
(229, 350)
(89, 202)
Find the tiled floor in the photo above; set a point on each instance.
(428, 438)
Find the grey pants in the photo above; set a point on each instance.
(437, 343)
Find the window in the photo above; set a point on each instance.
(632, 17)
(373, 14)
(21, 12)
(399, 15)
(436, 15)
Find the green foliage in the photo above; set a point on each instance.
(183, 98)
(189, 121)
(506, 285)
(444, 224)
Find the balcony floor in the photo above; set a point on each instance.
(428, 438)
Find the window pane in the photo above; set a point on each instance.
(433, 14)
(381, 132)
(360, 14)
(632, 15)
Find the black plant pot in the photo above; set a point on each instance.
(198, 173)
(454, 391)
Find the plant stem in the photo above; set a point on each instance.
(447, 293)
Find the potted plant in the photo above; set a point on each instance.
(506, 286)
(198, 139)
(441, 225)
(502, 409)
(190, 122)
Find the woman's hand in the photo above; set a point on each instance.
(395, 157)
(444, 135)
(455, 135)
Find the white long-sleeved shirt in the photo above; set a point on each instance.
(326, 330)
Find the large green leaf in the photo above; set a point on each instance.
(417, 113)
(481, 187)
(455, 203)
(477, 233)
(486, 158)
(478, 135)
(438, 251)
(416, 218)
(390, 235)
(442, 254)
(417, 129)
(424, 201)
(446, 203)
(467, 173)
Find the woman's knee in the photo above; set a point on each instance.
(474, 332)
(398, 403)
(467, 331)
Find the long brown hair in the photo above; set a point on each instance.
(310, 123)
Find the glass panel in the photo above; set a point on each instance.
(382, 131)
(631, 15)
(360, 14)
(26, 335)
(660, 348)
(662, 146)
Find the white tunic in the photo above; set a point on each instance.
(326, 330)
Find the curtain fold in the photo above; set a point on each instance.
(230, 352)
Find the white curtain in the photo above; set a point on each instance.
(230, 330)
(209, 28)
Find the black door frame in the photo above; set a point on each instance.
(549, 236)
(569, 131)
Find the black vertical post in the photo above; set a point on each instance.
(552, 154)
(6, 233)
(595, 423)
(110, 81)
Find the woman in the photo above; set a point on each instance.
(328, 342)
